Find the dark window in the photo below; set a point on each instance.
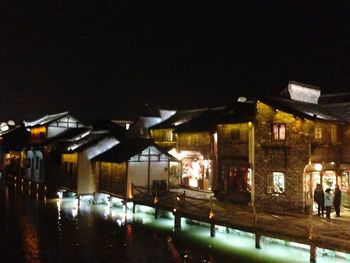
(27, 163)
(36, 163)
(42, 136)
(41, 169)
(239, 179)
(235, 134)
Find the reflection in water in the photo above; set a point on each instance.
(61, 230)
(30, 240)
(172, 249)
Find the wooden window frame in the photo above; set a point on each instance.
(281, 131)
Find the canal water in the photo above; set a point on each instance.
(38, 229)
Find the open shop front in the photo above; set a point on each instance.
(196, 170)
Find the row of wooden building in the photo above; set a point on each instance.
(269, 152)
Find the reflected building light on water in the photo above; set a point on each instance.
(118, 202)
(60, 194)
(86, 198)
(7, 193)
(75, 208)
(30, 241)
(107, 211)
(145, 209)
(59, 209)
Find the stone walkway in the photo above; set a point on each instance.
(333, 234)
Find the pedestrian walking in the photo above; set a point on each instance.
(328, 202)
(319, 199)
(337, 200)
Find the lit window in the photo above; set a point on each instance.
(279, 131)
(345, 181)
(169, 136)
(318, 133)
(276, 183)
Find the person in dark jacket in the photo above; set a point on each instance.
(319, 199)
(337, 200)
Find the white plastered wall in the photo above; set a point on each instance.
(87, 171)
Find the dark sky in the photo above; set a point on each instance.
(99, 59)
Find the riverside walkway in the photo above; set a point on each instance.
(311, 230)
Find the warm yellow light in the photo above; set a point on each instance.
(37, 132)
(155, 200)
(318, 167)
(216, 137)
(70, 157)
(211, 215)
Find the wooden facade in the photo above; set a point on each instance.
(113, 178)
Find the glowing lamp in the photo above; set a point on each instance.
(211, 215)
(318, 167)
(155, 200)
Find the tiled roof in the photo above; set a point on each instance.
(337, 103)
(46, 119)
(126, 149)
(207, 121)
(115, 129)
(342, 110)
(70, 134)
(302, 109)
(89, 139)
(335, 98)
(179, 118)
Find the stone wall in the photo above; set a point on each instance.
(289, 156)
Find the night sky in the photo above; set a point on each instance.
(102, 59)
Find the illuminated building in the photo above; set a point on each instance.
(40, 164)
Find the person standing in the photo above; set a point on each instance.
(328, 202)
(319, 199)
(337, 200)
